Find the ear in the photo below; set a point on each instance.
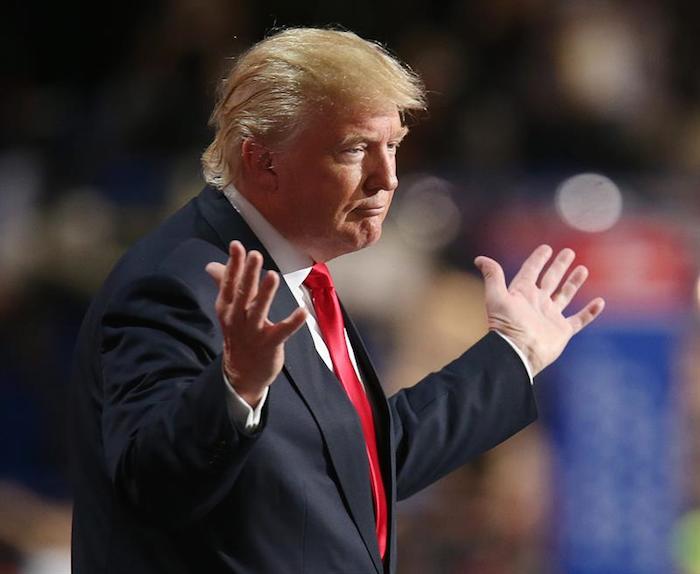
(257, 164)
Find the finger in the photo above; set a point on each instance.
(281, 331)
(248, 287)
(586, 315)
(532, 267)
(570, 287)
(234, 267)
(553, 276)
(260, 308)
(494, 278)
(216, 271)
(228, 281)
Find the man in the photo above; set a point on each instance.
(237, 425)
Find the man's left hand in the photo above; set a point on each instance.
(530, 310)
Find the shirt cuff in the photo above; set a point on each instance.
(240, 412)
(520, 354)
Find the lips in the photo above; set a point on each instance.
(370, 210)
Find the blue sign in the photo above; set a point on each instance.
(615, 428)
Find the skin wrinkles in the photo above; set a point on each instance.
(330, 188)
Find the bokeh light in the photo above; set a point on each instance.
(589, 202)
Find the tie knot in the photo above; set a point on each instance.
(319, 278)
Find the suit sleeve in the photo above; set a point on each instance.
(471, 405)
(171, 449)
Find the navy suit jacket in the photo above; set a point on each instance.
(165, 483)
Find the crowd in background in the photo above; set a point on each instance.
(104, 111)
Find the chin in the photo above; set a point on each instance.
(367, 240)
(370, 232)
(351, 241)
(373, 238)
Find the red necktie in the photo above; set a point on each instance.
(330, 320)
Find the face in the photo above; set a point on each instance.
(335, 182)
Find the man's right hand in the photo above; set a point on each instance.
(253, 353)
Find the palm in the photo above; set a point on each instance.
(253, 346)
(530, 310)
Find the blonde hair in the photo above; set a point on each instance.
(273, 86)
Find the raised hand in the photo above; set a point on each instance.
(530, 310)
(253, 352)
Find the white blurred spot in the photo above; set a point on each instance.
(603, 64)
(47, 561)
(426, 215)
(589, 202)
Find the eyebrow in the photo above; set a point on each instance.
(354, 138)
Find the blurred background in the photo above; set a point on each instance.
(569, 122)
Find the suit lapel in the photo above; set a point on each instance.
(383, 426)
(318, 387)
(336, 418)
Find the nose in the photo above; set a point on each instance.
(381, 172)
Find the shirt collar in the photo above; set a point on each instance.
(294, 265)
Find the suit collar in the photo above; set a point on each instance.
(228, 224)
(290, 260)
(293, 265)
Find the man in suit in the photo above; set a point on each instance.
(237, 424)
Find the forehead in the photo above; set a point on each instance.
(342, 125)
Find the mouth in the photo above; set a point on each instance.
(369, 210)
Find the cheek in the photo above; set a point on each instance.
(330, 195)
(389, 201)
(342, 193)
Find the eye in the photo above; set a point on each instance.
(393, 146)
(354, 153)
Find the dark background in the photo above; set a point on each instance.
(104, 110)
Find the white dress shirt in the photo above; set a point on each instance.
(295, 267)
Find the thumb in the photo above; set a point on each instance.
(494, 278)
